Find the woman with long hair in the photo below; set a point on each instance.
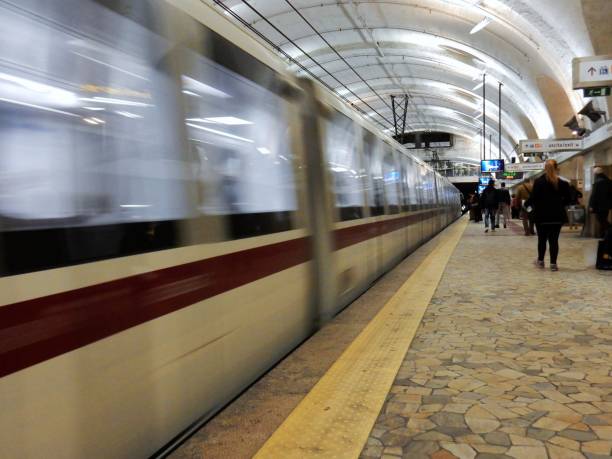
(549, 198)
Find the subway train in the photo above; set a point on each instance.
(177, 213)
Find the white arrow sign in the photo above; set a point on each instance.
(545, 146)
(592, 72)
(524, 167)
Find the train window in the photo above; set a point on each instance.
(239, 133)
(92, 164)
(86, 137)
(375, 182)
(413, 184)
(344, 163)
(429, 186)
(392, 180)
(405, 188)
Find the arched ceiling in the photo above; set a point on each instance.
(424, 48)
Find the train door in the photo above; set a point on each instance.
(346, 172)
(392, 230)
(375, 191)
(405, 200)
(415, 230)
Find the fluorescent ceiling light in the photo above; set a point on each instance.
(94, 109)
(189, 93)
(228, 121)
(478, 86)
(111, 101)
(221, 133)
(197, 86)
(264, 151)
(481, 25)
(50, 95)
(128, 114)
(39, 107)
(134, 206)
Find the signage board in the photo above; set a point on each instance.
(597, 92)
(546, 146)
(525, 167)
(492, 165)
(592, 72)
(511, 175)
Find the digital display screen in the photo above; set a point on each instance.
(492, 165)
(484, 180)
(481, 188)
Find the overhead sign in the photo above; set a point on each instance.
(592, 72)
(524, 167)
(597, 92)
(546, 146)
(509, 175)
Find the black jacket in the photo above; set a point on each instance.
(503, 196)
(601, 197)
(489, 198)
(549, 202)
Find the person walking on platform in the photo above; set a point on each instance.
(489, 203)
(600, 202)
(515, 206)
(504, 205)
(475, 205)
(523, 194)
(549, 197)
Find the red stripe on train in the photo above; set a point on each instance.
(37, 330)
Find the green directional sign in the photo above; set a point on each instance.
(597, 92)
(507, 175)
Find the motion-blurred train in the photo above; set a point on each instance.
(177, 213)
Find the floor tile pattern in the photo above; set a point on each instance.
(510, 361)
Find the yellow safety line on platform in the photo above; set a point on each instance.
(337, 415)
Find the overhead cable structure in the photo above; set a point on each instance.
(278, 49)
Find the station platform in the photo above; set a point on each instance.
(465, 350)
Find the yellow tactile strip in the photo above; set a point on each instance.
(335, 418)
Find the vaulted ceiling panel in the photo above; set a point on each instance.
(424, 48)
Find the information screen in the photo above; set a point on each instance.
(484, 180)
(492, 165)
(481, 188)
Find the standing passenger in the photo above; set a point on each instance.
(549, 197)
(475, 204)
(489, 203)
(504, 205)
(600, 202)
(523, 194)
(516, 207)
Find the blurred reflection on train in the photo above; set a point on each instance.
(177, 212)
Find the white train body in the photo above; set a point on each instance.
(177, 213)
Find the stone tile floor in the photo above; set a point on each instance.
(509, 362)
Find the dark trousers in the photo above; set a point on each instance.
(604, 224)
(490, 216)
(548, 233)
(528, 224)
